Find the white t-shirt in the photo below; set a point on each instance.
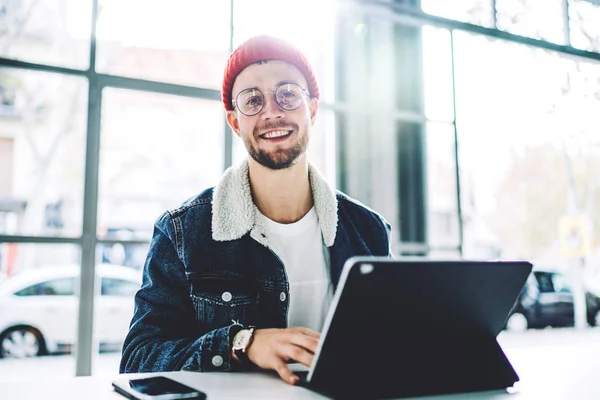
(300, 246)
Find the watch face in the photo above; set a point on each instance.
(241, 339)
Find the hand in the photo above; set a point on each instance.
(274, 348)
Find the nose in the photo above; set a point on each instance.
(271, 109)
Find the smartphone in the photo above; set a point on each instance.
(156, 388)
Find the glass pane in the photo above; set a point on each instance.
(113, 307)
(128, 254)
(437, 74)
(52, 287)
(444, 254)
(561, 283)
(239, 150)
(442, 220)
(539, 19)
(156, 152)
(477, 12)
(544, 280)
(186, 42)
(585, 24)
(321, 151)
(118, 287)
(271, 17)
(529, 150)
(42, 153)
(38, 310)
(53, 32)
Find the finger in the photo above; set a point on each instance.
(298, 354)
(307, 332)
(285, 374)
(307, 342)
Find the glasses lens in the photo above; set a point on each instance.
(289, 96)
(250, 101)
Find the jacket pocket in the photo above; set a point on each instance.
(218, 300)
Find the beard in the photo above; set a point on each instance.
(280, 158)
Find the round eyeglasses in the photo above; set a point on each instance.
(288, 96)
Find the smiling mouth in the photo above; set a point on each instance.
(276, 134)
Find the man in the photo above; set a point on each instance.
(231, 269)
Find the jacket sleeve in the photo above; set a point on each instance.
(163, 334)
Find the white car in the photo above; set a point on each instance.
(39, 308)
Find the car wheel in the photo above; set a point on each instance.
(517, 322)
(21, 342)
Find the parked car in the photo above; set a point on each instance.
(547, 300)
(39, 308)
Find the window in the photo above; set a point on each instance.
(561, 283)
(585, 24)
(42, 130)
(437, 75)
(178, 41)
(156, 152)
(118, 287)
(544, 281)
(527, 144)
(53, 32)
(47, 300)
(54, 287)
(474, 11)
(442, 220)
(539, 19)
(6, 164)
(526, 118)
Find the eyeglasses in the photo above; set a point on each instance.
(288, 96)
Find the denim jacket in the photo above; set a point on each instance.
(210, 267)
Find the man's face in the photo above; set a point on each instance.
(275, 137)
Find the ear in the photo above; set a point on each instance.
(314, 109)
(233, 121)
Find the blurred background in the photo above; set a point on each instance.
(471, 125)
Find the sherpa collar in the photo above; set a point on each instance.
(234, 213)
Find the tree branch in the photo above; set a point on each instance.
(593, 40)
(20, 27)
(69, 118)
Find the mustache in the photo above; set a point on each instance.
(274, 125)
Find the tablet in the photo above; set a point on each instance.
(415, 327)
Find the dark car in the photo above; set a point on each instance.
(547, 300)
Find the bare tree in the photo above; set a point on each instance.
(51, 110)
(567, 172)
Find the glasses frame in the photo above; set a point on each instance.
(263, 93)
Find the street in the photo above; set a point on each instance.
(107, 364)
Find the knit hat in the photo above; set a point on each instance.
(261, 48)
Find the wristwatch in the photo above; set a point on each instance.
(241, 341)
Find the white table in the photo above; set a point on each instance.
(557, 372)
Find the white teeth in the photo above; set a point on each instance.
(274, 134)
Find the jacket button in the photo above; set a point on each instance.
(282, 296)
(217, 361)
(226, 296)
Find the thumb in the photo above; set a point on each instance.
(285, 374)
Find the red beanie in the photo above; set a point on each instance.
(261, 48)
